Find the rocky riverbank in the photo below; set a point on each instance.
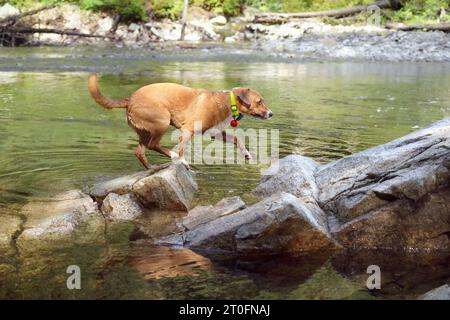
(305, 39)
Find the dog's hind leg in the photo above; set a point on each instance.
(150, 124)
(140, 154)
(154, 145)
(186, 135)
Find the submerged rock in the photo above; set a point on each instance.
(58, 217)
(404, 274)
(156, 262)
(440, 293)
(75, 216)
(327, 284)
(10, 225)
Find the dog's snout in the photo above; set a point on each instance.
(270, 114)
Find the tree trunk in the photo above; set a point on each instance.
(445, 26)
(337, 13)
(23, 30)
(184, 18)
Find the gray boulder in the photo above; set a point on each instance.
(440, 293)
(121, 185)
(279, 223)
(392, 196)
(408, 168)
(169, 186)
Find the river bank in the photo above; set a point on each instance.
(207, 33)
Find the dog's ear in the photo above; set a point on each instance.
(243, 96)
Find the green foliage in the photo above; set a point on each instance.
(128, 9)
(413, 11)
(265, 5)
(303, 5)
(167, 8)
(34, 3)
(310, 5)
(416, 11)
(226, 7)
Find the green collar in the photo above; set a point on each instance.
(234, 109)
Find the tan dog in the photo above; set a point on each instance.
(153, 108)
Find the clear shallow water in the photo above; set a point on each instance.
(53, 137)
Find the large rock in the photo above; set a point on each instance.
(406, 168)
(166, 187)
(392, 196)
(279, 223)
(440, 293)
(172, 188)
(59, 217)
(120, 185)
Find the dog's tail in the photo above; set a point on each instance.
(101, 99)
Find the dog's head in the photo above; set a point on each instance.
(252, 103)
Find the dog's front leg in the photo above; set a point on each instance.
(237, 142)
(186, 135)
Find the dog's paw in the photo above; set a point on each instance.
(186, 164)
(174, 155)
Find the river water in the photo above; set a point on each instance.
(53, 137)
